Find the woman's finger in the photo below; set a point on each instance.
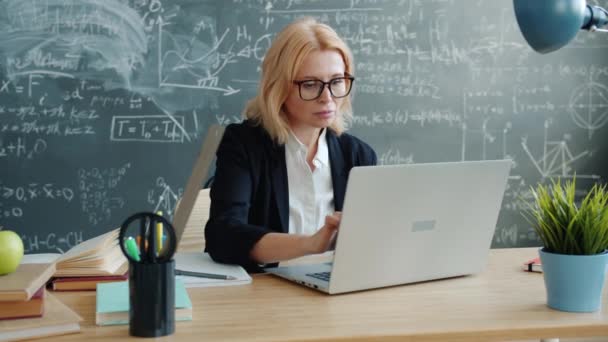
(332, 221)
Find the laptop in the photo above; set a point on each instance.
(410, 223)
(199, 172)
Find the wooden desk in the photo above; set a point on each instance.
(503, 303)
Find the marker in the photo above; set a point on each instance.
(132, 250)
(159, 234)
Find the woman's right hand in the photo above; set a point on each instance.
(322, 240)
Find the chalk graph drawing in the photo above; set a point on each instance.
(556, 159)
(192, 64)
(589, 106)
(117, 43)
(484, 126)
(75, 38)
(493, 142)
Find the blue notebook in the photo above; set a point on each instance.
(112, 306)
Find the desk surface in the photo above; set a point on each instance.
(502, 303)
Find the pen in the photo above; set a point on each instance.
(141, 239)
(159, 234)
(204, 275)
(132, 249)
(138, 240)
(151, 239)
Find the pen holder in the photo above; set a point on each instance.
(151, 274)
(152, 299)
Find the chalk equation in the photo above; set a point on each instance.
(147, 128)
(22, 147)
(36, 191)
(51, 242)
(99, 192)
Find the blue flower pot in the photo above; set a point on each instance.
(574, 282)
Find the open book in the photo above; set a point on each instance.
(99, 256)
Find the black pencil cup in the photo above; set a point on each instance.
(152, 299)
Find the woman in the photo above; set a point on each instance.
(281, 174)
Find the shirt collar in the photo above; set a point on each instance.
(322, 151)
(294, 145)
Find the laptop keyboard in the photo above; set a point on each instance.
(320, 275)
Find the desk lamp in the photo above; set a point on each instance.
(548, 25)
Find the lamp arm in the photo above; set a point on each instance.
(606, 13)
(595, 17)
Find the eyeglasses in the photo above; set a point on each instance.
(312, 89)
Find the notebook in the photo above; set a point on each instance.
(202, 262)
(112, 306)
(58, 319)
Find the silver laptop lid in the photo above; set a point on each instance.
(417, 222)
(195, 182)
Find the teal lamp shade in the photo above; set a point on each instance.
(548, 25)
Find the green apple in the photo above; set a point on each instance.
(11, 251)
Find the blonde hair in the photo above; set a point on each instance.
(279, 68)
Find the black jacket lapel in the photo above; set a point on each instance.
(280, 186)
(338, 169)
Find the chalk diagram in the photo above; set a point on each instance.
(166, 201)
(557, 159)
(488, 137)
(589, 106)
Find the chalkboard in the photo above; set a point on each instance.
(104, 104)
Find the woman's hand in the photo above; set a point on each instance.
(274, 247)
(322, 240)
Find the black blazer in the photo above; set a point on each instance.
(249, 194)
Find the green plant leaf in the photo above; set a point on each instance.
(564, 226)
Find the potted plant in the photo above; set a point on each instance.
(575, 239)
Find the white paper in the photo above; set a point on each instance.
(202, 262)
(40, 258)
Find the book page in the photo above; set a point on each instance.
(40, 258)
(96, 246)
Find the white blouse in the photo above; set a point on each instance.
(311, 193)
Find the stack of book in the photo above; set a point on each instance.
(27, 311)
(22, 292)
(98, 260)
